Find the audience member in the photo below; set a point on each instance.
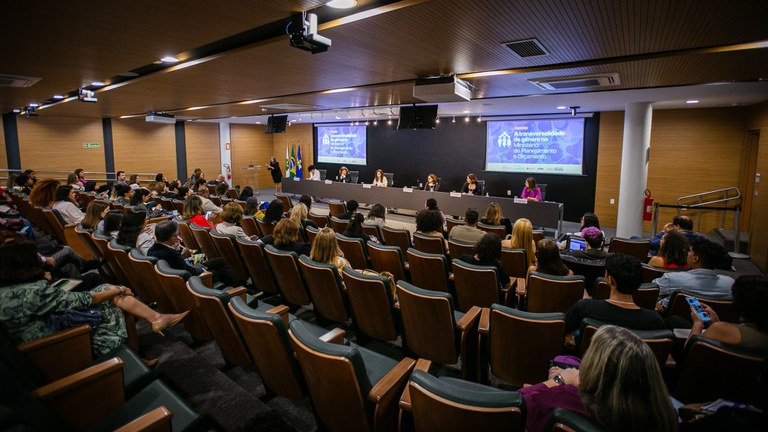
(701, 280)
(431, 204)
(111, 224)
(487, 252)
(469, 232)
(140, 201)
(619, 384)
(123, 194)
(74, 182)
(231, 217)
(548, 260)
(28, 298)
(120, 178)
(24, 184)
(80, 174)
(135, 233)
(286, 237)
(750, 296)
(624, 274)
(221, 190)
(66, 206)
(208, 205)
(355, 229)
(376, 216)
(681, 223)
(493, 216)
(307, 201)
(673, 251)
(246, 193)
(251, 207)
(43, 194)
(595, 241)
(325, 249)
(299, 216)
(193, 212)
(522, 238)
(274, 212)
(352, 207)
(94, 215)
(134, 182)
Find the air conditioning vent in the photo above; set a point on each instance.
(290, 107)
(526, 48)
(17, 81)
(577, 82)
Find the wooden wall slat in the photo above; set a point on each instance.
(142, 147)
(3, 156)
(56, 143)
(758, 120)
(250, 145)
(203, 148)
(609, 166)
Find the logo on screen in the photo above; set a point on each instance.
(505, 140)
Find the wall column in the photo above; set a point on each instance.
(634, 168)
(225, 151)
(109, 148)
(11, 133)
(181, 150)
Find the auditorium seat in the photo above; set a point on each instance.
(372, 303)
(505, 330)
(538, 235)
(187, 238)
(65, 233)
(514, 262)
(101, 241)
(429, 243)
(366, 385)
(212, 305)
(85, 237)
(339, 225)
(450, 223)
(354, 251)
(660, 341)
(457, 248)
(287, 203)
(320, 220)
(266, 229)
(256, 263)
(390, 179)
(475, 285)
(311, 234)
(226, 245)
(429, 271)
(725, 309)
(590, 269)
(285, 267)
(452, 404)
(563, 420)
(435, 331)
(175, 286)
(326, 289)
(373, 230)
(547, 293)
(651, 272)
(134, 281)
(250, 227)
(499, 230)
(388, 258)
(636, 248)
(336, 208)
(396, 237)
(646, 296)
(204, 240)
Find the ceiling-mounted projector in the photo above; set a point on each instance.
(161, 118)
(303, 33)
(442, 89)
(86, 96)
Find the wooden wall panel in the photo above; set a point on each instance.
(56, 144)
(296, 135)
(3, 156)
(250, 145)
(146, 148)
(758, 120)
(609, 166)
(685, 144)
(203, 148)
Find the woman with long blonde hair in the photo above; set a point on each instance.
(325, 249)
(493, 216)
(522, 238)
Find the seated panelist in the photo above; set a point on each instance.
(314, 173)
(343, 175)
(471, 186)
(432, 185)
(531, 191)
(379, 180)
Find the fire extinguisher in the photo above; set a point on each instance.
(648, 206)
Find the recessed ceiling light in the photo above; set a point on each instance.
(342, 4)
(692, 101)
(58, 97)
(16, 110)
(466, 111)
(34, 104)
(98, 83)
(562, 107)
(169, 59)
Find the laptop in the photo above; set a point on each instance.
(575, 243)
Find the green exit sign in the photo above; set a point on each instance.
(91, 145)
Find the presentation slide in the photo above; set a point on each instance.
(535, 146)
(341, 144)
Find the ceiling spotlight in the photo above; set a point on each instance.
(169, 59)
(367, 123)
(479, 119)
(342, 4)
(573, 109)
(34, 105)
(375, 122)
(437, 120)
(337, 116)
(454, 119)
(466, 119)
(692, 101)
(389, 122)
(562, 107)
(98, 83)
(58, 97)
(16, 110)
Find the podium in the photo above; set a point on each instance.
(251, 172)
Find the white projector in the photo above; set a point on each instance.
(442, 89)
(156, 118)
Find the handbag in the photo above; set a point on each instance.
(73, 318)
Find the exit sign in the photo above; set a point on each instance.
(91, 145)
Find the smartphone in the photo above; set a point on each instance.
(208, 215)
(699, 309)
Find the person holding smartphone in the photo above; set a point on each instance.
(750, 296)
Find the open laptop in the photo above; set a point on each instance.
(575, 243)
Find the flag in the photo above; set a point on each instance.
(293, 162)
(299, 174)
(287, 160)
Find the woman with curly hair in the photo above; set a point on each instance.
(487, 252)
(673, 251)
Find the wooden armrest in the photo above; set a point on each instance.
(61, 353)
(405, 400)
(485, 321)
(207, 278)
(521, 284)
(159, 419)
(334, 336)
(396, 305)
(392, 381)
(100, 388)
(468, 318)
(281, 310)
(237, 291)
